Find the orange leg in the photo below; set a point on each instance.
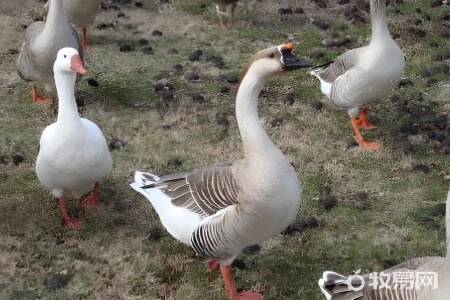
(246, 295)
(361, 141)
(84, 40)
(92, 200)
(362, 120)
(220, 13)
(39, 98)
(68, 222)
(212, 264)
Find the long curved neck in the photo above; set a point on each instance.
(254, 138)
(67, 106)
(56, 18)
(380, 29)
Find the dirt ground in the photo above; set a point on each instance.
(158, 116)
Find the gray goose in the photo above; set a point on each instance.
(405, 281)
(220, 210)
(81, 13)
(42, 42)
(364, 75)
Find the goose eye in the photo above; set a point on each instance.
(271, 55)
(64, 56)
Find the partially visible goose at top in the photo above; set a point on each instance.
(81, 13)
(219, 6)
(73, 154)
(363, 75)
(424, 278)
(42, 42)
(220, 210)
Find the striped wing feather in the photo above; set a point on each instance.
(339, 66)
(203, 191)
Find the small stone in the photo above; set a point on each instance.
(439, 209)
(92, 82)
(224, 89)
(405, 82)
(299, 10)
(436, 3)
(285, 11)
(192, 76)
(195, 55)
(251, 249)
(143, 42)
(328, 201)
(157, 32)
(431, 81)
(116, 144)
(440, 122)
(316, 53)
(120, 15)
(174, 162)
(321, 24)
(138, 4)
(222, 121)
(17, 159)
(158, 87)
(311, 222)
(216, 60)
(125, 48)
(233, 79)
(238, 263)
(154, 234)
(57, 281)
(198, 98)
(427, 222)
(277, 122)
(288, 99)
(342, 2)
(296, 226)
(421, 168)
(317, 105)
(147, 50)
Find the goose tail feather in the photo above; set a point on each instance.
(339, 287)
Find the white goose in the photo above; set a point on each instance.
(220, 210)
(42, 42)
(73, 154)
(405, 281)
(365, 74)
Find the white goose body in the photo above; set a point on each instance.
(222, 209)
(334, 285)
(42, 42)
(73, 154)
(367, 74)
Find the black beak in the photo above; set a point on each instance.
(291, 61)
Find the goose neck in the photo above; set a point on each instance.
(56, 18)
(380, 29)
(254, 138)
(67, 106)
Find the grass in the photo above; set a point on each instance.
(114, 255)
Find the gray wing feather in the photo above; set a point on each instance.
(203, 191)
(341, 64)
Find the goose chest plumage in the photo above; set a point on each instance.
(412, 284)
(364, 75)
(220, 210)
(73, 154)
(42, 42)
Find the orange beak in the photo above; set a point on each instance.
(76, 64)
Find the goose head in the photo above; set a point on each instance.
(271, 61)
(68, 60)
